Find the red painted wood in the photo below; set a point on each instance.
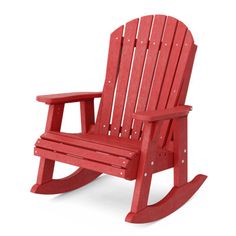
(159, 73)
(148, 70)
(180, 152)
(83, 153)
(46, 166)
(76, 180)
(184, 89)
(164, 160)
(54, 119)
(177, 197)
(180, 74)
(87, 115)
(84, 163)
(67, 97)
(172, 65)
(142, 106)
(170, 113)
(113, 65)
(123, 75)
(145, 170)
(95, 142)
(45, 172)
(136, 73)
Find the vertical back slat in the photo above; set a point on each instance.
(153, 76)
(103, 118)
(136, 74)
(159, 73)
(187, 54)
(123, 76)
(172, 65)
(184, 89)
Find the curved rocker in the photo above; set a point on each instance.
(76, 180)
(170, 203)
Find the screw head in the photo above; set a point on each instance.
(104, 126)
(154, 43)
(109, 81)
(152, 163)
(182, 161)
(145, 174)
(185, 150)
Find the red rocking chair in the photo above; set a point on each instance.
(141, 125)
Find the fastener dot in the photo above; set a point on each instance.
(125, 130)
(121, 173)
(145, 174)
(174, 91)
(109, 81)
(185, 44)
(124, 162)
(185, 150)
(114, 128)
(141, 42)
(135, 132)
(165, 44)
(116, 38)
(154, 43)
(104, 126)
(182, 161)
(152, 163)
(160, 137)
(176, 44)
(128, 40)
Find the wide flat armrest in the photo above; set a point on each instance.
(68, 97)
(170, 113)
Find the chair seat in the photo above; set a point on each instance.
(101, 153)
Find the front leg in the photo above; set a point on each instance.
(145, 170)
(180, 152)
(46, 166)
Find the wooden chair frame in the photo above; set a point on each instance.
(158, 138)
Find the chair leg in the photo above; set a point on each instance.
(180, 152)
(144, 175)
(179, 194)
(45, 183)
(45, 172)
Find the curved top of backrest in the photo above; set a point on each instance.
(149, 65)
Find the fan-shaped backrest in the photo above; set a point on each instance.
(149, 65)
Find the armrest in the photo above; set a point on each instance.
(68, 97)
(167, 114)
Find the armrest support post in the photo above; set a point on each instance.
(87, 115)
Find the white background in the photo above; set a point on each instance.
(61, 46)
